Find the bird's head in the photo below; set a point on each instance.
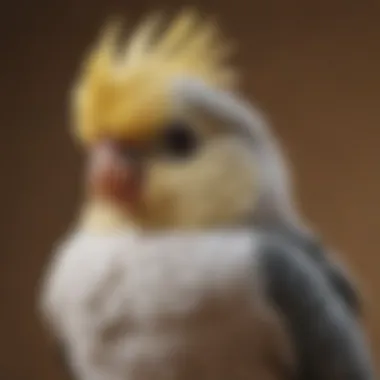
(169, 143)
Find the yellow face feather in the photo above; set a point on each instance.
(125, 92)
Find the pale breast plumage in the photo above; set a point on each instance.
(177, 307)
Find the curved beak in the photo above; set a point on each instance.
(115, 173)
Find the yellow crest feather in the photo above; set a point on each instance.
(125, 93)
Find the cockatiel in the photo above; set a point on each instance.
(189, 259)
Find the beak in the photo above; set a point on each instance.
(115, 173)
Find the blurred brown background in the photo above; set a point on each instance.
(314, 66)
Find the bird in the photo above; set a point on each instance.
(188, 257)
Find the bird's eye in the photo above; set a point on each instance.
(179, 140)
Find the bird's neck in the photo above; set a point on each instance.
(101, 216)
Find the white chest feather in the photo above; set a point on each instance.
(139, 308)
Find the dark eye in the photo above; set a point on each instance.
(179, 140)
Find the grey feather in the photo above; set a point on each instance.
(340, 279)
(328, 340)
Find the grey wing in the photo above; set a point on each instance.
(335, 273)
(329, 341)
(63, 362)
(338, 277)
(343, 285)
